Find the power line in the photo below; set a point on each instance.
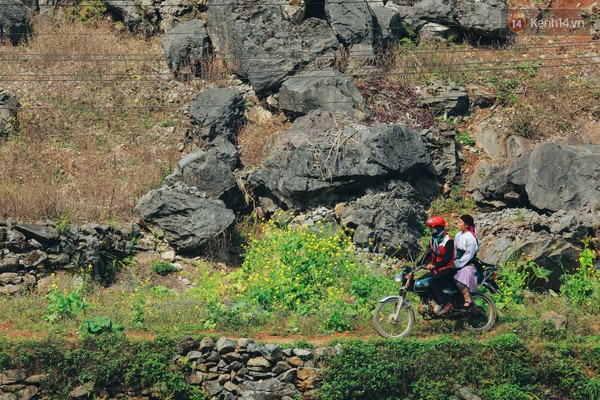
(243, 104)
(190, 33)
(530, 60)
(135, 77)
(359, 54)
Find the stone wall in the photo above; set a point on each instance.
(225, 369)
(28, 252)
(242, 369)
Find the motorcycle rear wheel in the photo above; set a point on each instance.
(482, 314)
(385, 322)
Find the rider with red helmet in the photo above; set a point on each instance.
(440, 262)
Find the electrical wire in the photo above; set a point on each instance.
(136, 77)
(243, 104)
(530, 60)
(161, 56)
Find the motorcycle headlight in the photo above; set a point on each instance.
(399, 277)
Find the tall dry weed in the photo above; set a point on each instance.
(91, 138)
(256, 139)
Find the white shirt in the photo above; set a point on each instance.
(467, 242)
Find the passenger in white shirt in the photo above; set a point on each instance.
(465, 248)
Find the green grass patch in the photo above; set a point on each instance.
(500, 368)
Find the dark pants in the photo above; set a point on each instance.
(443, 280)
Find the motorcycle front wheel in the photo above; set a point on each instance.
(482, 314)
(392, 324)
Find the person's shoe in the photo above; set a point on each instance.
(445, 309)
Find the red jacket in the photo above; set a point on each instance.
(443, 254)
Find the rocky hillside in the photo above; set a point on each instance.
(364, 114)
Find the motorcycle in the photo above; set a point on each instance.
(394, 316)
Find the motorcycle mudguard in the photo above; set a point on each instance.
(404, 304)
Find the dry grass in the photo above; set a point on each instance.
(546, 90)
(256, 139)
(95, 136)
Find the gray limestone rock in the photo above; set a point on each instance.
(328, 90)
(186, 48)
(187, 219)
(259, 43)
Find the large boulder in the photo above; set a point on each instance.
(316, 162)
(217, 113)
(486, 18)
(432, 32)
(14, 21)
(212, 177)
(225, 151)
(259, 43)
(138, 16)
(389, 25)
(389, 221)
(444, 160)
(187, 45)
(521, 236)
(550, 177)
(187, 219)
(351, 21)
(150, 16)
(328, 90)
(449, 99)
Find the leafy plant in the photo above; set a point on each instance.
(63, 305)
(299, 271)
(166, 124)
(160, 292)
(505, 88)
(62, 226)
(515, 278)
(465, 139)
(89, 10)
(138, 312)
(530, 69)
(582, 287)
(163, 268)
(99, 325)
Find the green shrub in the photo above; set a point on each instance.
(107, 362)
(506, 391)
(458, 202)
(581, 288)
(299, 271)
(64, 305)
(515, 277)
(99, 325)
(62, 226)
(163, 268)
(501, 368)
(160, 292)
(465, 139)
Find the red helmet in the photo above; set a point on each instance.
(435, 221)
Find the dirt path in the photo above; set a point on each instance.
(8, 330)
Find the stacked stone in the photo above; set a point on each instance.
(28, 252)
(16, 385)
(226, 370)
(242, 369)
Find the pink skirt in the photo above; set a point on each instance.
(467, 275)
